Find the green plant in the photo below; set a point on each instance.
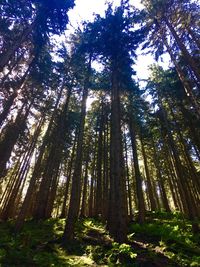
(121, 253)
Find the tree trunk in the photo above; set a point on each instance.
(105, 171)
(6, 56)
(69, 174)
(21, 176)
(117, 220)
(185, 82)
(99, 197)
(138, 178)
(186, 196)
(33, 181)
(128, 179)
(192, 64)
(93, 174)
(149, 185)
(74, 205)
(10, 136)
(84, 197)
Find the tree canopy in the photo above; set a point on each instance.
(80, 136)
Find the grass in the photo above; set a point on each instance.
(38, 244)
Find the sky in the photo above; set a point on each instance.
(84, 10)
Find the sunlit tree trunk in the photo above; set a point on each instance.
(85, 185)
(149, 184)
(128, 179)
(68, 180)
(27, 203)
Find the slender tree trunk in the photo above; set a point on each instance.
(84, 197)
(138, 178)
(192, 64)
(92, 183)
(74, 205)
(160, 181)
(149, 185)
(186, 196)
(33, 181)
(69, 174)
(9, 102)
(10, 137)
(155, 191)
(52, 193)
(99, 196)
(128, 179)
(105, 171)
(47, 179)
(192, 125)
(6, 107)
(185, 82)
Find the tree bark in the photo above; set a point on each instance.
(192, 64)
(149, 185)
(74, 205)
(117, 220)
(138, 178)
(37, 168)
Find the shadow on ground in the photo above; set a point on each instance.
(154, 244)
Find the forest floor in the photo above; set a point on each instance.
(164, 240)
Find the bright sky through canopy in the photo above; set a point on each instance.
(84, 10)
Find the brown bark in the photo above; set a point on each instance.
(27, 203)
(105, 170)
(21, 177)
(117, 220)
(128, 180)
(186, 196)
(6, 107)
(69, 174)
(52, 193)
(48, 185)
(84, 196)
(74, 205)
(10, 136)
(99, 196)
(160, 181)
(192, 64)
(92, 184)
(138, 178)
(149, 184)
(185, 82)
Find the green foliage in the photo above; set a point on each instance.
(117, 255)
(39, 243)
(122, 253)
(172, 235)
(30, 247)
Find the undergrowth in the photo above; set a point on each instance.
(39, 243)
(170, 234)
